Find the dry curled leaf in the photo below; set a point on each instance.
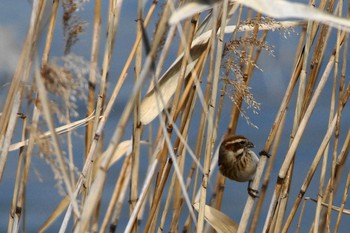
(218, 220)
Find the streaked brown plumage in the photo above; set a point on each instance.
(236, 160)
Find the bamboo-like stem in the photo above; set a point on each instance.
(50, 31)
(175, 111)
(309, 175)
(116, 193)
(44, 100)
(113, 19)
(158, 195)
(16, 208)
(296, 121)
(317, 56)
(267, 176)
(119, 205)
(93, 73)
(300, 217)
(211, 102)
(142, 196)
(273, 131)
(340, 164)
(186, 119)
(91, 155)
(291, 152)
(312, 170)
(92, 86)
(189, 120)
(137, 129)
(344, 198)
(96, 191)
(13, 99)
(195, 78)
(250, 201)
(167, 205)
(325, 157)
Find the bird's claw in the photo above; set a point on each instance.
(253, 192)
(264, 153)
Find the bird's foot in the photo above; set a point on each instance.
(253, 192)
(264, 153)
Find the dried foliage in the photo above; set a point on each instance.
(68, 84)
(73, 26)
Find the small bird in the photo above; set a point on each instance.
(237, 161)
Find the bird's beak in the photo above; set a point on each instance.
(250, 145)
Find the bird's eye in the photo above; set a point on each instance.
(242, 142)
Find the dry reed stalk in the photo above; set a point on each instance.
(306, 114)
(283, 200)
(220, 183)
(194, 170)
(183, 102)
(116, 193)
(16, 208)
(340, 163)
(310, 174)
(137, 126)
(186, 43)
(325, 157)
(300, 216)
(311, 171)
(336, 138)
(50, 32)
(146, 186)
(112, 26)
(250, 201)
(282, 110)
(119, 205)
(13, 99)
(189, 90)
(93, 73)
(304, 120)
(95, 193)
(344, 198)
(167, 205)
(267, 177)
(59, 130)
(187, 115)
(92, 89)
(209, 107)
(91, 155)
(158, 194)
